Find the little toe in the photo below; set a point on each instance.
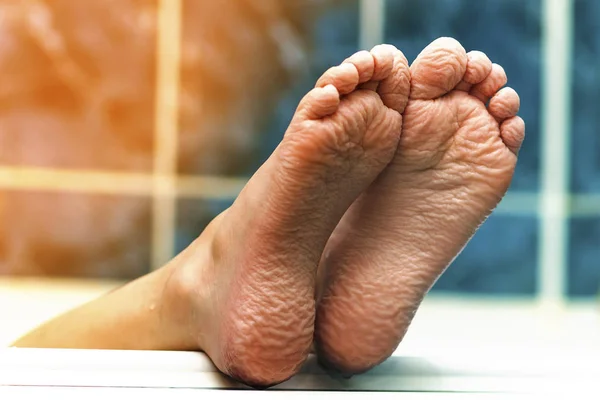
(394, 88)
(319, 103)
(345, 77)
(438, 69)
(512, 132)
(491, 84)
(505, 104)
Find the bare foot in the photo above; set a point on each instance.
(250, 277)
(454, 163)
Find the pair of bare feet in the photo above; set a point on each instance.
(382, 177)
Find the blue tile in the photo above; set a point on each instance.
(500, 259)
(584, 257)
(193, 216)
(586, 97)
(335, 38)
(507, 30)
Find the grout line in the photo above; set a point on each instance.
(519, 204)
(555, 144)
(78, 181)
(207, 187)
(166, 131)
(371, 23)
(587, 205)
(211, 187)
(118, 183)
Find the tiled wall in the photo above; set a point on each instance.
(502, 258)
(584, 258)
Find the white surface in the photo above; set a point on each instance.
(194, 394)
(486, 372)
(27, 302)
(455, 344)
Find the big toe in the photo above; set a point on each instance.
(438, 69)
(394, 86)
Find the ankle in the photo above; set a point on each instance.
(188, 290)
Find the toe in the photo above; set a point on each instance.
(505, 104)
(491, 84)
(479, 67)
(394, 88)
(364, 63)
(512, 132)
(438, 69)
(383, 55)
(345, 77)
(319, 103)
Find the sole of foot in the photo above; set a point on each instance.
(454, 163)
(248, 282)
